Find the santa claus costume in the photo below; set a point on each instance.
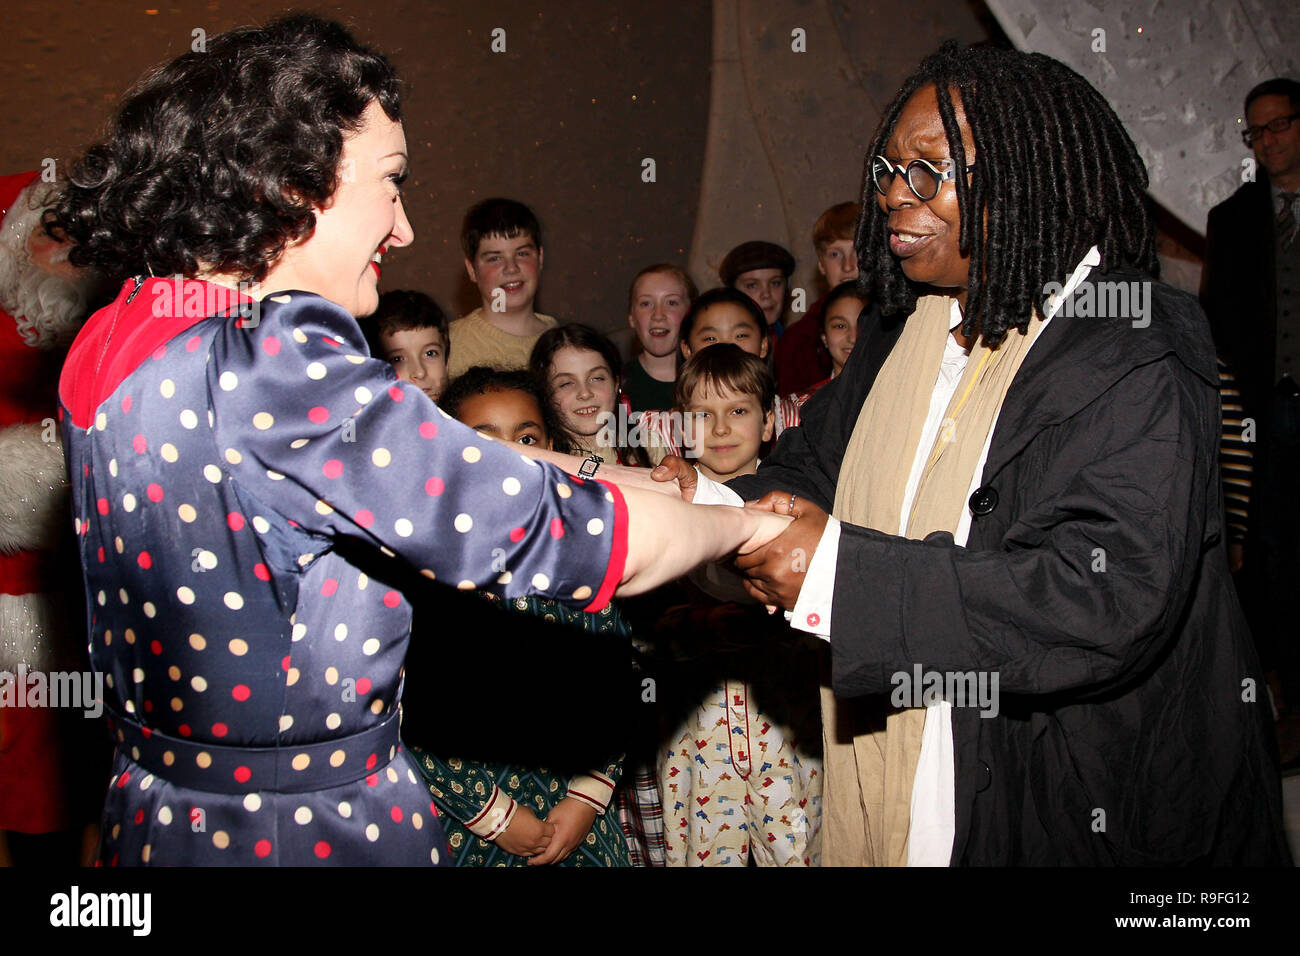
(44, 760)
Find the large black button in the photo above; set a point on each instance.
(985, 779)
(983, 501)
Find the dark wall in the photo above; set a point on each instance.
(561, 120)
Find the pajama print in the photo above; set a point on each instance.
(252, 673)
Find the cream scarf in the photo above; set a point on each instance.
(872, 749)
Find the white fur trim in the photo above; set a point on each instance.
(35, 629)
(34, 508)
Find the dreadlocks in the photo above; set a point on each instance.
(1055, 174)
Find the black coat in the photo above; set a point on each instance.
(1123, 736)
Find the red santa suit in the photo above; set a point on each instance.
(41, 767)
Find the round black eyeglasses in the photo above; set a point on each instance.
(922, 176)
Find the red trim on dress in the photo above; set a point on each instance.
(617, 553)
(120, 336)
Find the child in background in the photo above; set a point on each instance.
(721, 315)
(409, 331)
(741, 774)
(579, 370)
(800, 361)
(502, 240)
(498, 814)
(839, 322)
(761, 270)
(658, 300)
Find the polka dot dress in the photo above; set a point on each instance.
(252, 672)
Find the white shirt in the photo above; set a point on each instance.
(933, 811)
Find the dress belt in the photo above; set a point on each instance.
(291, 768)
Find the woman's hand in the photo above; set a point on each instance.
(526, 835)
(775, 570)
(679, 470)
(572, 820)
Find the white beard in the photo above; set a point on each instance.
(49, 309)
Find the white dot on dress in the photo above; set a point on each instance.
(189, 419)
(302, 816)
(185, 595)
(228, 381)
(595, 526)
(403, 527)
(381, 457)
(541, 582)
(315, 371)
(362, 394)
(234, 600)
(463, 522)
(252, 803)
(510, 486)
(370, 647)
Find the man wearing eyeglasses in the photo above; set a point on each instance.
(1251, 293)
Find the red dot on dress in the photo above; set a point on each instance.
(139, 444)
(262, 848)
(154, 492)
(434, 487)
(184, 730)
(102, 506)
(330, 586)
(428, 430)
(235, 521)
(126, 403)
(220, 730)
(557, 528)
(271, 345)
(395, 393)
(397, 814)
(319, 415)
(392, 599)
(332, 468)
(193, 343)
(243, 774)
(363, 685)
(517, 534)
(240, 692)
(365, 518)
(145, 560)
(159, 352)
(155, 646)
(261, 572)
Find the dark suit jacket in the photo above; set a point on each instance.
(1237, 291)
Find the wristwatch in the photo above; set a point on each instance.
(588, 469)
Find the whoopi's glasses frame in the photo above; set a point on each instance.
(919, 172)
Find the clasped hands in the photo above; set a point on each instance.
(774, 571)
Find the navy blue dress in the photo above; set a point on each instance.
(224, 469)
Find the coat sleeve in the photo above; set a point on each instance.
(467, 789)
(308, 422)
(1090, 578)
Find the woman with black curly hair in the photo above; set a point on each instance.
(241, 466)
